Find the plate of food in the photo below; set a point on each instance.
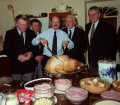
(63, 66)
(94, 85)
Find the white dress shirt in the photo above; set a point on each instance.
(48, 35)
(89, 35)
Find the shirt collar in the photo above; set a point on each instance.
(72, 29)
(19, 31)
(95, 24)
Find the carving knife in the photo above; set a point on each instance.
(50, 50)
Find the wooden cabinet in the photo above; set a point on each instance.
(5, 67)
(59, 14)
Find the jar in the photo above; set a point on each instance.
(43, 90)
(107, 70)
(9, 97)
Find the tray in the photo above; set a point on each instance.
(83, 68)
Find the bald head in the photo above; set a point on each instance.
(55, 22)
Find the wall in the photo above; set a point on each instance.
(35, 7)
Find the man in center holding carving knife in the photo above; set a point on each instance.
(55, 39)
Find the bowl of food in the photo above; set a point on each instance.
(94, 85)
(106, 102)
(43, 90)
(76, 95)
(63, 84)
(111, 95)
(44, 101)
(116, 85)
(30, 85)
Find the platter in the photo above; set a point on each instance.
(83, 68)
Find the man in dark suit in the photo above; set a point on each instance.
(100, 39)
(77, 35)
(18, 47)
(35, 25)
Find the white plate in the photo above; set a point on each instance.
(63, 11)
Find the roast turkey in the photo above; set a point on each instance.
(62, 65)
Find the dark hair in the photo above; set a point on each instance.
(21, 16)
(94, 8)
(34, 20)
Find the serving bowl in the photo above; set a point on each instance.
(30, 85)
(95, 89)
(116, 85)
(61, 7)
(43, 90)
(44, 101)
(63, 84)
(76, 95)
(106, 102)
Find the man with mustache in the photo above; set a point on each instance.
(47, 38)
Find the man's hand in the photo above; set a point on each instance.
(39, 58)
(21, 58)
(43, 41)
(28, 55)
(65, 43)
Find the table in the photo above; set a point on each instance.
(75, 81)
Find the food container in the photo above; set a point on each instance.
(44, 101)
(111, 95)
(116, 85)
(43, 90)
(76, 95)
(106, 102)
(61, 7)
(95, 89)
(30, 85)
(107, 70)
(9, 97)
(62, 84)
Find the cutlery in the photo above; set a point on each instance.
(50, 51)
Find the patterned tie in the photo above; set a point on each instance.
(70, 34)
(54, 47)
(92, 32)
(22, 38)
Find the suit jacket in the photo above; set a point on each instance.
(13, 47)
(103, 42)
(39, 51)
(79, 45)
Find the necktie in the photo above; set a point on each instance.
(54, 47)
(92, 32)
(70, 34)
(22, 38)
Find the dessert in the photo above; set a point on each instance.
(112, 95)
(63, 84)
(43, 90)
(76, 95)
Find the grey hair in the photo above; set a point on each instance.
(71, 16)
(21, 16)
(94, 8)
